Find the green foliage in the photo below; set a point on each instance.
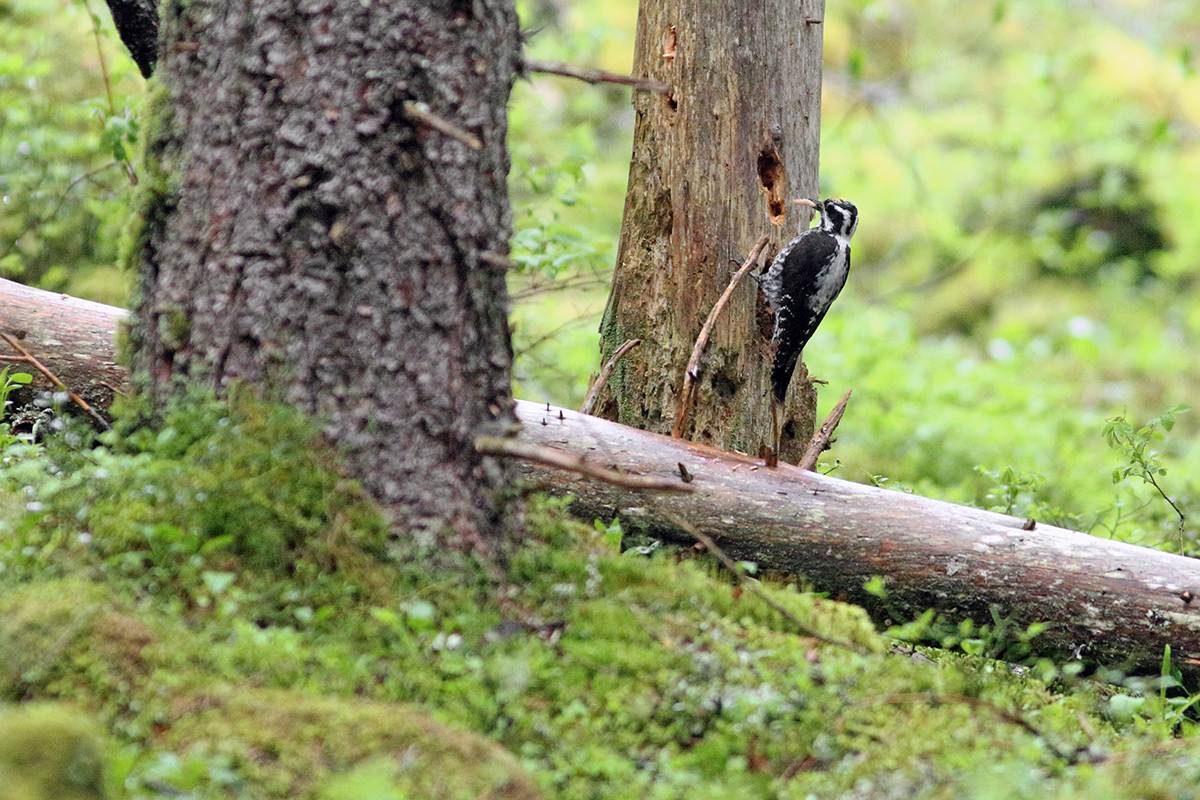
(240, 617)
(1133, 442)
(570, 153)
(8, 382)
(1140, 461)
(247, 627)
(220, 484)
(65, 121)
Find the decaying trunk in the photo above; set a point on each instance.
(715, 166)
(327, 222)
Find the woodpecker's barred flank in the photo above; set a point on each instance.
(804, 280)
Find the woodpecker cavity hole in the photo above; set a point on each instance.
(770, 175)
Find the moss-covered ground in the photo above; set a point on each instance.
(211, 609)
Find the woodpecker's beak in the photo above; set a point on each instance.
(804, 201)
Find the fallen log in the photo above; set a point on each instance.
(1106, 603)
(72, 338)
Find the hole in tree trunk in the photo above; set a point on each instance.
(772, 178)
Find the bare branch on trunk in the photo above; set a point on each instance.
(692, 373)
(824, 435)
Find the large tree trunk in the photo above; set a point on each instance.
(715, 166)
(1107, 603)
(327, 219)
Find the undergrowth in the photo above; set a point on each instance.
(245, 624)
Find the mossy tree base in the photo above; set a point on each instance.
(309, 236)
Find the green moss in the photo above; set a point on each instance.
(174, 328)
(290, 745)
(224, 487)
(243, 621)
(155, 191)
(41, 625)
(49, 751)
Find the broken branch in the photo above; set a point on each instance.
(594, 76)
(420, 112)
(824, 435)
(693, 366)
(28, 357)
(589, 402)
(549, 456)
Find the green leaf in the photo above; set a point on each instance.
(218, 582)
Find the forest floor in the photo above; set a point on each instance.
(209, 611)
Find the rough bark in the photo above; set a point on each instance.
(715, 165)
(1107, 603)
(309, 233)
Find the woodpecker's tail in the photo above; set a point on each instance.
(781, 373)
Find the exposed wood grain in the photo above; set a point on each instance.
(715, 164)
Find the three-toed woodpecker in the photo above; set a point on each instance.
(803, 281)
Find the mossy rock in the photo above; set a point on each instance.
(292, 745)
(50, 751)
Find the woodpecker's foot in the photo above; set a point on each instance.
(769, 456)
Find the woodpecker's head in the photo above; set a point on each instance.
(838, 216)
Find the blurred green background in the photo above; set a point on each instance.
(1028, 178)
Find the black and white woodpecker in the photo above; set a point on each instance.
(804, 280)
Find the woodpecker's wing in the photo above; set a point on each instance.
(813, 273)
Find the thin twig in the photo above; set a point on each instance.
(112, 107)
(1011, 717)
(1182, 518)
(820, 439)
(589, 402)
(581, 281)
(595, 75)
(37, 222)
(420, 112)
(752, 585)
(500, 446)
(79, 401)
(690, 375)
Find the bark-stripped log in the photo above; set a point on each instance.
(1107, 603)
(73, 338)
